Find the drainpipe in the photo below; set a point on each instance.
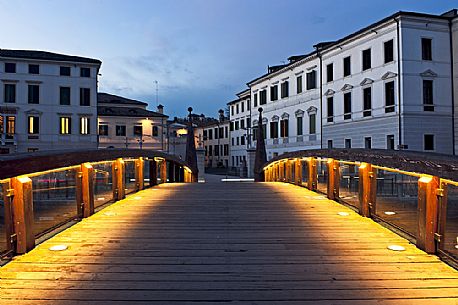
(452, 82)
(399, 81)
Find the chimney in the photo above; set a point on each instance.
(160, 109)
(221, 115)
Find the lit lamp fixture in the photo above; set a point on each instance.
(58, 248)
(396, 248)
(456, 246)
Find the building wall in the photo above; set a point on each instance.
(49, 109)
(240, 138)
(216, 155)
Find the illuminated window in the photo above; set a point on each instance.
(2, 122)
(65, 125)
(103, 130)
(10, 126)
(34, 125)
(85, 125)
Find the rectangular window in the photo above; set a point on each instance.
(232, 110)
(238, 141)
(85, 72)
(299, 125)
(255, 100)
(347, 106)
(312, 124)
(242, 124)
(330, 73)
(216, 150)
(64, 71)
(9, 93)
(347, 143)
(428, 141)
(34, 94)
(274, 93)
(64, 95)
(231, 126)
(237, 108)
(263, 97)
(156, 131)
(221, 132)
(330, 108)
(34, 125)
(428, 102)
(237, 125)
(10, 126)
(10, 67)
(216, 133)
(368, 142)
(138, 131)
(390, 142)
(210, 134)
(84, 125)
(248, 122)
(264, 130)
(330, 144)
(103, 130)
(65, 125)
(226, 132)
(388, 51)
(285, 89)
(34, 69)
(299, 84)
(85, 97)
(426, 49)
(367, 102)
(366, 59)
(389, 97)
(347, 66)
(311, 80)
(242, 105)
(2, 123)
(273, 130)
(121, 130)
(210, 150)
(242, 140)
(284, 128)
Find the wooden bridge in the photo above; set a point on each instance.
(238, 243)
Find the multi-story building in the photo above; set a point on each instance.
(390, 85)
(48, 101)
(290, 97)
(126, 123)
(240, 129)
(213, 136)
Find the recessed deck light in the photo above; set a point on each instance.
(100, 198)
(390, 213)
(58, 248)
(343, 214)
(396, 248)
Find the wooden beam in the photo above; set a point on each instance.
(333, 179)
(427, 213)
(22, 208)
(367, 189)
(313, 178)
(163, 169)
(298, 172)
(87, 189)
(119, 184)
(139, 175)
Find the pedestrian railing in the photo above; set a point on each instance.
(414, 194)
(40, 192)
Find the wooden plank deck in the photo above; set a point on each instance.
(238, 243)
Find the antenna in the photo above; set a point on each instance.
(157, 93)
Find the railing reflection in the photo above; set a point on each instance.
(103, 183)
(3, 240)
(323, 175)
(129, 176)
(349, 183)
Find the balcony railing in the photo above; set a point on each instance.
(414, 194)
(41, 191)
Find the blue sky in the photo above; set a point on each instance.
(201, 52)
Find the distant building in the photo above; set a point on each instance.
(48, 101)
(126, 123)
(176, 138)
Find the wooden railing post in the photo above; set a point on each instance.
(119, 187)
(298, 172)
(87, 189)
(163, 171)
(313, 178)
(367, 189)
(290, 171)
(22, 210)
(275, 172)
(333, 179)
(427, 213)
(139, 175)
(152, 173)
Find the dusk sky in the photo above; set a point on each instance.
(201, 52)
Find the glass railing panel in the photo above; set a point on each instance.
(3, 244)
(129, 176)
(103, 183)
(450, 234)
(397, 199)
(146, 177)
(349, 183)
(305, 172)
(54, 199)
(322, 172)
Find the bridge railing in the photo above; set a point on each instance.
(414, 194)
(40, 192)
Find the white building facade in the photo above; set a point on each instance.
(389, 86)
(126, 123)
(48, 101)
(213, 137)
(240, 129)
